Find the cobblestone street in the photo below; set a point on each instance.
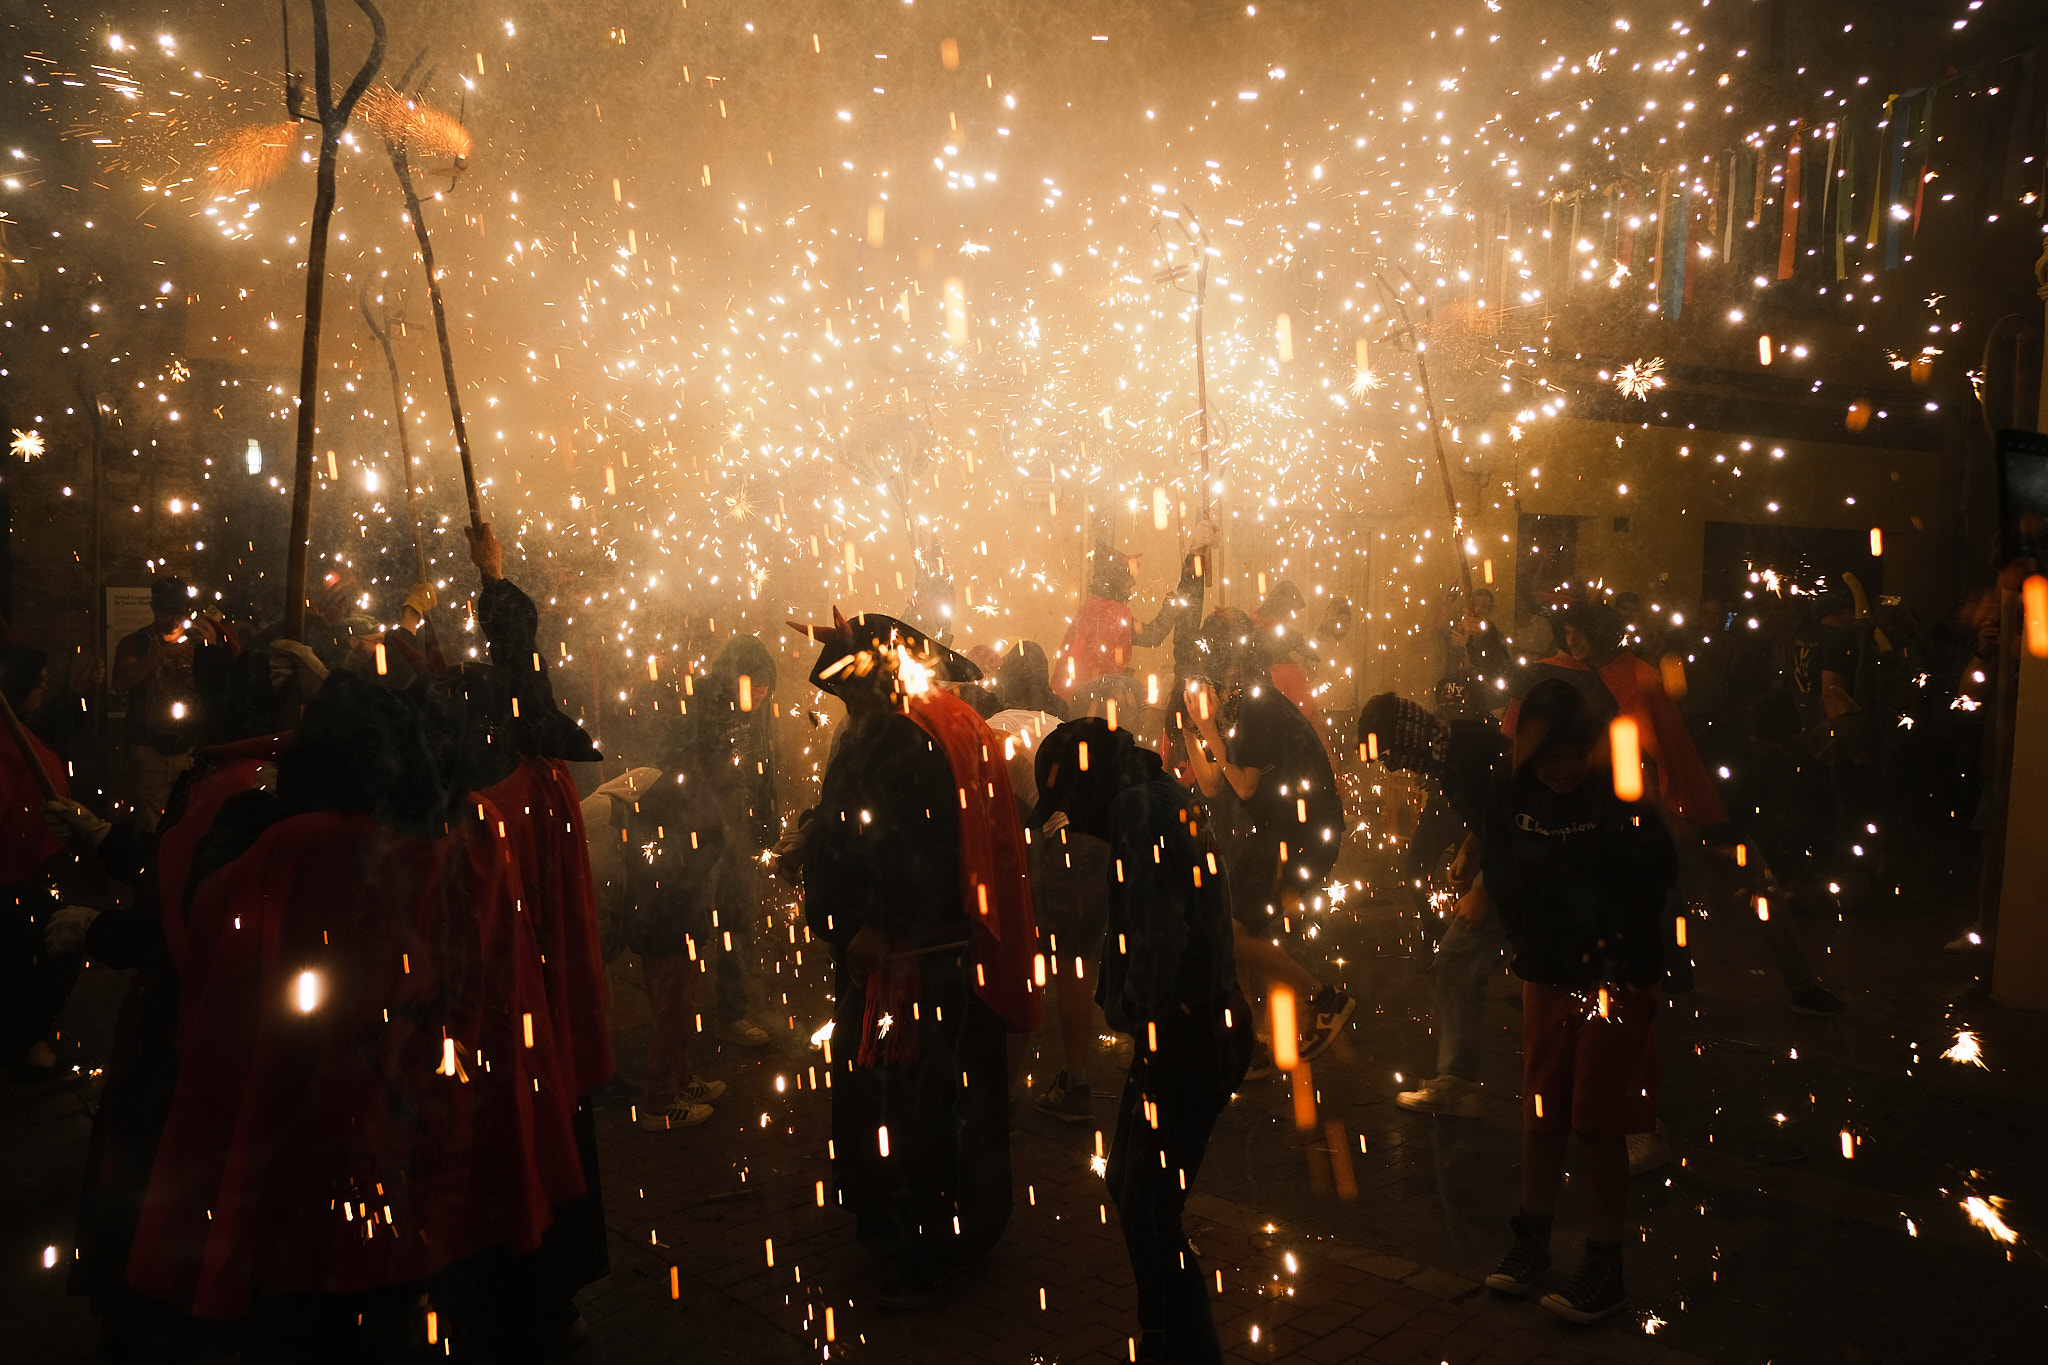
(1760, 1241)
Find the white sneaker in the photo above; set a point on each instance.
(1448, 1095)
(681, 1114)
(1648, 1151)
(697, 1090)
(745, 1032)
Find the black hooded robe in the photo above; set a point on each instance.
(884, 850)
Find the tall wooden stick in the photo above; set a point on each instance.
(29, 756)
(1443, 459)
(333, 119)
(382, 331)
(403, 166)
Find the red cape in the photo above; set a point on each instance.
(1098, 642)
(1638, 689)
(995, 886)
(228, 771)
(25, 841)
(1681, 776)
(544, 829)
(324, 1149)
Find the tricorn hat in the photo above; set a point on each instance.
(854, 647)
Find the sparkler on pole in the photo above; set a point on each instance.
(1198, 237)
(380, 328)
(1417, 348)
(397, 141)
(332, 115)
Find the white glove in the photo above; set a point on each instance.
(295, 659)
(69, 820)
(65, 930)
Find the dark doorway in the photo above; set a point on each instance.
(1547, 569)
(1740, 557)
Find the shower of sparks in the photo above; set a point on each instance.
(1639, 378)
(27, 444)
(413, 124)
(1966, 1050)
(250, 158)
(1985, 1214)
(915, 675)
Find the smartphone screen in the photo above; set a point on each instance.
(2023, 493)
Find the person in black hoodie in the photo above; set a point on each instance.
(1169, 979)
(1579, 878)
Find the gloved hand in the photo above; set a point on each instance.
(69, 820)
(420, 600)
(294, 658)
(64, 932)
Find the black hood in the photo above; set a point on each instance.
(1082, 767)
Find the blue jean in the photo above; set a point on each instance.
(1467, 956)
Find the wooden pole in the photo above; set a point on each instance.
(96, 571)
(412, 498)
(403, 166)
(1436, 434)
(29, 756)
(333, 119)
(1212, 571)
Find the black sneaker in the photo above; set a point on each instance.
(1067, 1100)
(1817, 1002)
(1592, 1293)
(1328, 1011)
(1526, 1259)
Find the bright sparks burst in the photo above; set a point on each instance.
(1367, 381)
(1639, 377)
(1985, 1214)
(251, 157)
(1966, 1051)
(27, 444)
(413, 124)
(915, 674)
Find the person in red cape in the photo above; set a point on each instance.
(913, 869)
(520, 772)
(1617, 682)
(33, 980)
(360, 1113)
(146, 937)
(541, 789)
(1099, 640)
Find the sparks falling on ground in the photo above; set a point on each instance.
(1985, 1214)
(1966, 1050)
(1640, 378)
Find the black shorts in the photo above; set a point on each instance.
(1070, 895)
(1261, 869)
